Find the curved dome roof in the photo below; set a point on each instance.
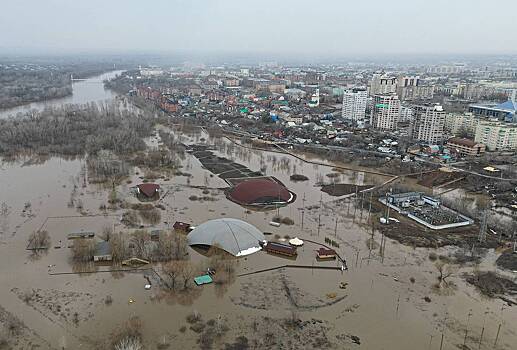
(234, 236)
(256, 191)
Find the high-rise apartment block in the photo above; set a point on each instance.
(354, 104)
(382, 84)
(385, 112)
(429, 123)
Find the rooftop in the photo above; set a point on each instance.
(234, 236)
(462, 142)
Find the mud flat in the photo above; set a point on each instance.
(339, 189)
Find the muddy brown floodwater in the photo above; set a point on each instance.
(389, 301)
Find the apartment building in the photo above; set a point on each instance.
(497, 136)
(457, 123)
(429, 123)
(354, 104)
(382, 84)
(385, 112)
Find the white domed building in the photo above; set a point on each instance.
(234, 236)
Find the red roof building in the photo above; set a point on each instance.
(148, 190)
(182, 226)
(326, 253)
(259, 191)
(466, 147)
(280, 248)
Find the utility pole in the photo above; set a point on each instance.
(482, 229)
(482, 329)
(335, 229)
(303, 209)
(319, 214)
(319, 223)
(443, 329)
(387, 208)
(370, 207)
(499, 327)
(398, 304)
(467, 328)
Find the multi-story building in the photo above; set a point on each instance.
(231, 82)
(465, 147)
(429, 122)
(506, 111)
(410, 88)
(354, 104)
(405, 81)
(382, 84)
(457, 124)
(497, 136)
(406, 114)
(451, 69)
(385, 112)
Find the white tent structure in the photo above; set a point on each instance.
(232, 235)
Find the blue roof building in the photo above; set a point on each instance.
(506, 111)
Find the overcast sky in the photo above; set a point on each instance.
(283, 27)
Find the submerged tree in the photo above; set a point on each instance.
(83, 250)
(39, 240)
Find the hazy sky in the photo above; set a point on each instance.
(317, 27)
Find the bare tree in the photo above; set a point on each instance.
(152, 216)
(140, 240)
(444, 272)
(83, 250)
(224, 264)
(128, 336)
(172, 271)
(180, 245)
(119, 247)
(39, 240)
(130, 218)
(179, 274)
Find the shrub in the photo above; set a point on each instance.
(298, 177)
(193, 317)
(152, 216)
(287, 221)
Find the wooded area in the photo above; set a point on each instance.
(77, 129)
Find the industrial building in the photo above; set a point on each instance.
(506, 111)
(425, 210)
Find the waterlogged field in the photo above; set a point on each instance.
(390, 298)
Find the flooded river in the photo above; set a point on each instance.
(83, 91)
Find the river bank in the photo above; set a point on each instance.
(84, 91)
